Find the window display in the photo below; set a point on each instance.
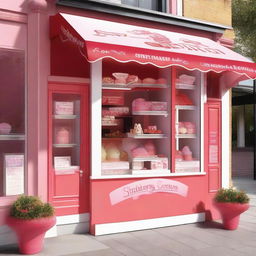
(12, 122)
(187, 121)
(136, 121)
(66, 133)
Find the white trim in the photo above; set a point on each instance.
(68, 79)
(225, 125)
(71, 219)
(96, 102)
(203, 99)
(77, 220)
(111, 228)
(131, 176)
(180, 7)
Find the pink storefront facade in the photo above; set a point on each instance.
(117, 136)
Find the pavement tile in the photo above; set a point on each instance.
(247, 250)
(219, 251)
(187, 239)
(107, 252)
(121, 248)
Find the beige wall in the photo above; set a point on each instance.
(216, 11)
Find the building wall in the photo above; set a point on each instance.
(216, 11)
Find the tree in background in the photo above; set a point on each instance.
(244, 24)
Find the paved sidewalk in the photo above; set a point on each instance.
(206, 239)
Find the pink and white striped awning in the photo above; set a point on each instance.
(98, 39)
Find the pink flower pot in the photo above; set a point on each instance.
(30, 233)
(230, 213)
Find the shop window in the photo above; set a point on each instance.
(188, 138)
(145, 129)
(12, 122)
(155, 5)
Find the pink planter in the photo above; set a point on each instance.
(30, 233)
(230, 213)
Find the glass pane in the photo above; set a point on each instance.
(188, 121)
(12, 122)
(136, 118)
(66, 132)
(131, 2)
(151, 5)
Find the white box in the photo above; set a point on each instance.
(62, 162)
(13, 174)
(64, 107)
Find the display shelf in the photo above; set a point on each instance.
(185, 86)
(71, 145)
(185, 107)
(12, 137)
(113, 87)
(185, 136)
(150, 113)
(146, 172)
(65, 116)
(129, 87)
(148, 86)
(146, 136)
(144, 159)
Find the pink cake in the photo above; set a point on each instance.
(141, 104)
(185, 79)
(62, 136)
(191, 129)
(139, 152)
(187, 154)
(151, 149)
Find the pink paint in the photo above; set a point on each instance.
(146, 187)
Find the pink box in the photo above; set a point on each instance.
(161, 163)
(64, 108)
(112, 100)
(158, 106)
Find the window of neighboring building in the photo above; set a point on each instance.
(155, 5)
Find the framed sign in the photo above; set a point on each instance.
(13, 174)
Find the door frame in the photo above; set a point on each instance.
(81, 86)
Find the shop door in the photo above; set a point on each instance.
(69, 148)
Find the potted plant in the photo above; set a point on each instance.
(30, 218)
(231, 203)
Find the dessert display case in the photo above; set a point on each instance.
(187, 121)
(136, 122)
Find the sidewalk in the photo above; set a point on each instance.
(185, 240)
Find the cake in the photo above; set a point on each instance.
(186, 153)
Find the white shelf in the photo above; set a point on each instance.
(146, 136)
(148, 172)
(185, 136)
(155, 86)
(129, 176)
(185, 107)
(129, 87)
(112, 87)
(150, 113)
(71, 145)
(144, 159)
(12, 137)
(65, 116)
(185, 86)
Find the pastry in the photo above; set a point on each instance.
(108, 80)
(132, 79)
(149, 80)
(161, 81)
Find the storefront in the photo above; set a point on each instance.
(135, 133)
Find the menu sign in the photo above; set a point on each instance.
(13, 174)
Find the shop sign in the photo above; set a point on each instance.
(146, 187)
